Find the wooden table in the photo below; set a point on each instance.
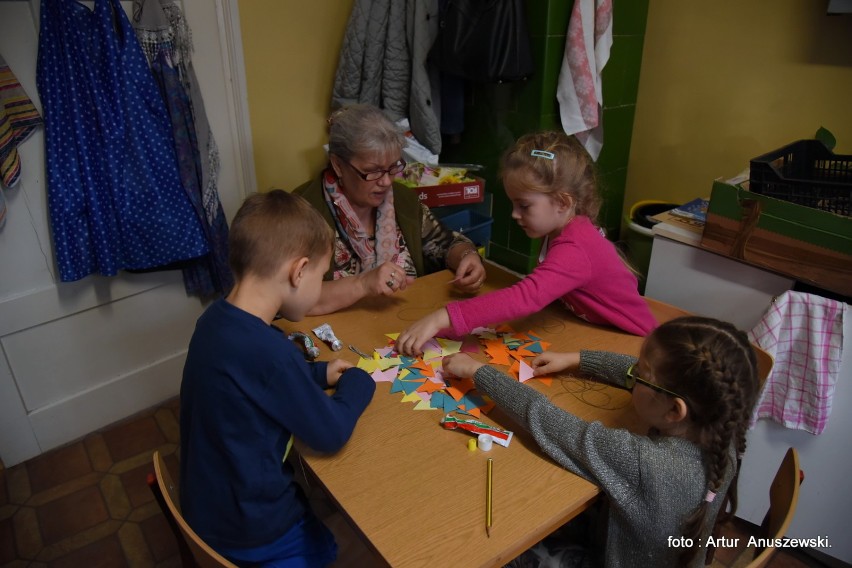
(414, 490)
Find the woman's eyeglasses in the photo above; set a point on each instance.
(376, 175)
(633, 378)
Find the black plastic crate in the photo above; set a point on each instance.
(806, 173)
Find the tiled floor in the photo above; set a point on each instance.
(88, 505)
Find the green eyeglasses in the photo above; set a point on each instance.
(633, 378)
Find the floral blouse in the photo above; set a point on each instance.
(437, 242)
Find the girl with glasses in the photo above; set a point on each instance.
(384, 236)
(694, 385)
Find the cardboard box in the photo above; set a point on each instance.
(807, 244)
(452, 193)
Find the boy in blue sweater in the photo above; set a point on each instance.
(247, 391)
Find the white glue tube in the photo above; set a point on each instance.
(325, 333)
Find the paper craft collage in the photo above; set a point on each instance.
(421, 380)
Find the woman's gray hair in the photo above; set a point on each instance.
(362, 129)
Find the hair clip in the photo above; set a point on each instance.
(710, 496)
(543, 154)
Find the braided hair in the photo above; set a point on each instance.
(713, 365)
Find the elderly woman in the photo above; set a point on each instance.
(384, 236)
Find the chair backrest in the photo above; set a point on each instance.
(783, 497)
(204, 556)
(765, 361)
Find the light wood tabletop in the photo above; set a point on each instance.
(414, 490)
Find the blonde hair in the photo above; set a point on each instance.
(553, 163)
(271, 228)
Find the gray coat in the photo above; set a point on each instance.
(383, 63)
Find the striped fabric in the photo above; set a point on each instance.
(18, 119)
(804, 333)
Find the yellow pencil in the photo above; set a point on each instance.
(488, 500)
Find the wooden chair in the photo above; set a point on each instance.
(194, 552)
(783, 497)
(765, 361)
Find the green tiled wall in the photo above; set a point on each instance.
(497, 114)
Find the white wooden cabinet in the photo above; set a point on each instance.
(709, 284)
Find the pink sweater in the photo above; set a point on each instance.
(583, 269)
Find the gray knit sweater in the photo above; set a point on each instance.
(652, 483)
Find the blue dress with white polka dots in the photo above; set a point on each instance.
(114, 193)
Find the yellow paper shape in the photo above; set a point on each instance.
(385, 364)
(411, 397)
(430, 354)
(368, 365)
(449, 346)
(424, 405)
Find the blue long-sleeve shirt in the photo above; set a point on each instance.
(246, 388)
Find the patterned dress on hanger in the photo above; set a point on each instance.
(114, 192)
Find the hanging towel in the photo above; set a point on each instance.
(578, 90)
(18, 120)
(804, 333)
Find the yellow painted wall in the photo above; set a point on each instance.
(290, 49)
(723, 82)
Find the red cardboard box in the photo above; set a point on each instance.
(452, 193)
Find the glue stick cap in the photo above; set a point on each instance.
(484, 442)
(471, 445)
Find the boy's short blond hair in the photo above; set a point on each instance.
(271, 228)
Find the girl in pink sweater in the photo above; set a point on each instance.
(550, 180)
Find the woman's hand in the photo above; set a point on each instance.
(553, 362)
(461, 365)
(384, 280)
(470, 272)
(335, 369)
(410, 342)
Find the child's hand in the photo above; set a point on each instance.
(410, 342)
(335, 369)
(461, 365)
(553, 362)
